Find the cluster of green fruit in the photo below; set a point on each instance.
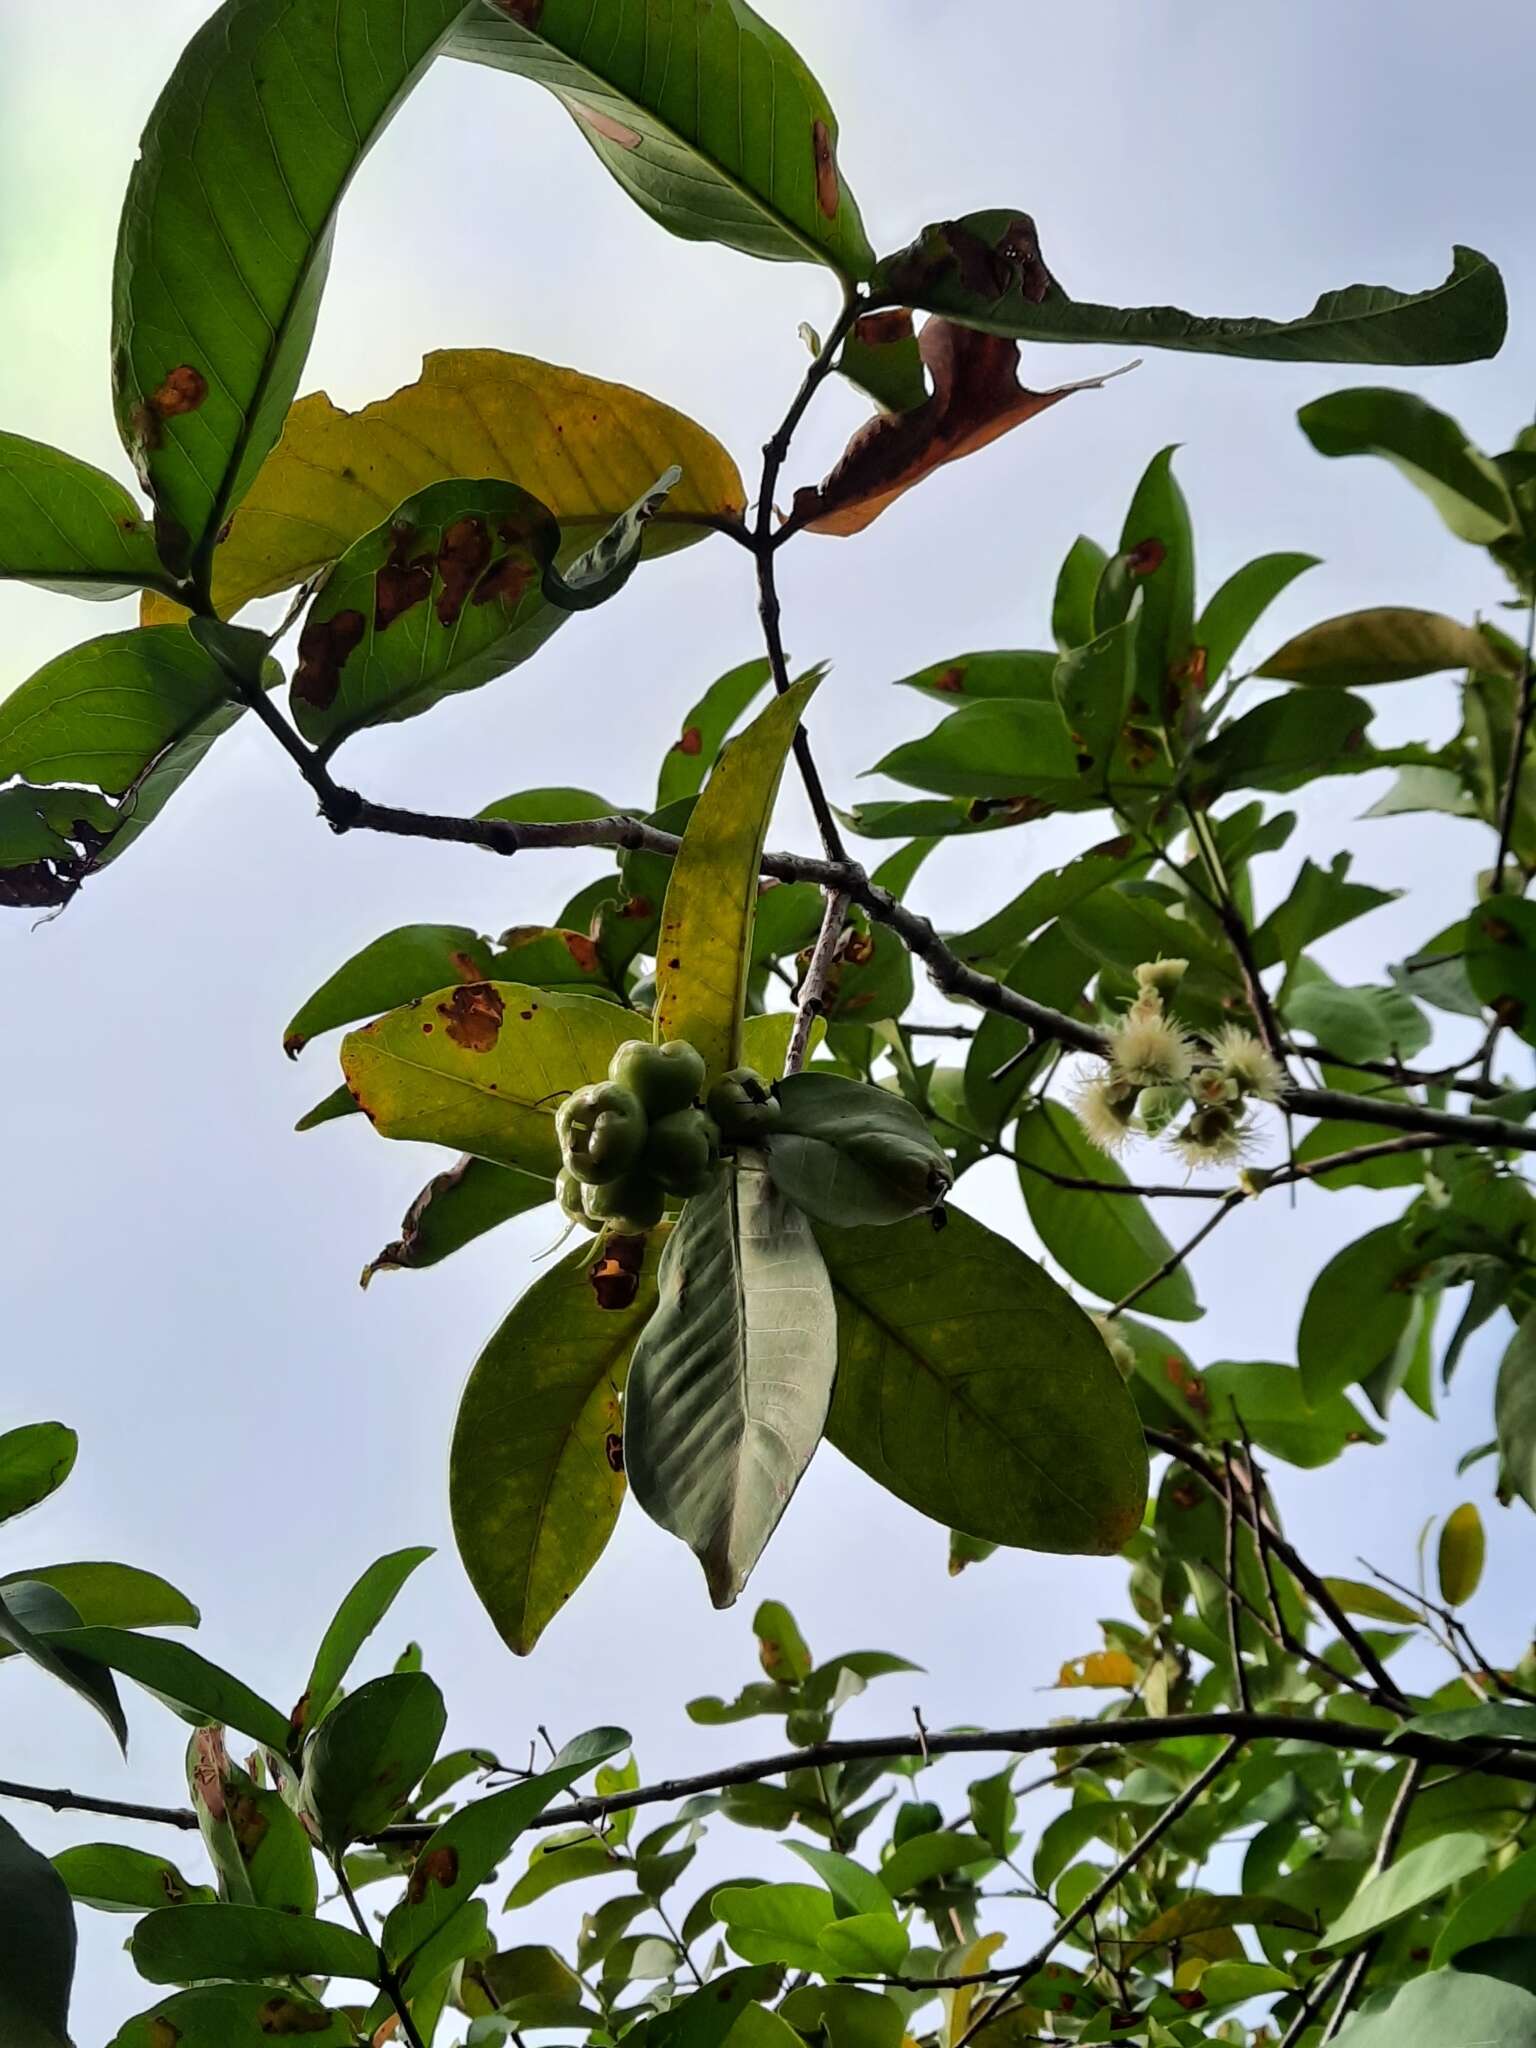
(629, 1142)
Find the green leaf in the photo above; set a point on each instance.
(1076, 583)
(706, 2017)
(66, 526)
(254, 1838)
(105, 711)
(1048, 896)
(116, 1879)
(556, 1863)
(37, 1956)
(35, 1460)
(1019, 748)
(183, 1944)
(1157, 533)
(226, 237)
(882, 359)
(1501, 961)
(586, 448)
(235, 2016)
(985, 270)
(353, 1623)
(1093, 686)
(32, 1615)
(848, 1153)
(1372, 1601)
(1481, 1998)
(1358, 1023)
(1321, 901)
(776, 1923)
(1487, 1910)
(980, 677)
(457, 587)
(188, 1684)
(781, 1649)
(466, 1849)
(1427, 446)
(1052, 969)
(411, 961)
(1389, 644)
(536, 1478)
(1496, 1721)
(728, 1390)
(855, 1890)
(1270, 1402)
(454, 1208)
(365, 1758)
(957, 1340)
(118, 1594)
(482, 1068)
(693, 753)
(1203, 1913)
(1287, 741)
(1459, 1560)
(730, 140)
(1412, 1881)
(1356, 1312)
(1240, 603)
(922, 1858)
(864, 1944)
(1514, 1414)
(705, 945)
(1107, 1243)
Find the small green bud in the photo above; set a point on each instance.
(665, 1077)
(680, 1151)
(601, 1131)
(630, 1205)
(744, 1105)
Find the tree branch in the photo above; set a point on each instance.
(813, 990)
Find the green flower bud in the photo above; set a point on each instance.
(743, 1104)
(680, 1151)
(630, 1205)
(601, 1131)
(665, 1077)
(568, 1192)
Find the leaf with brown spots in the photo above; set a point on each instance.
(730, 140)
(986, 270)
(473, 1016)
(976, 397)
(236, 2016)
(1501, 961)
(413, 960)
(455, 1208)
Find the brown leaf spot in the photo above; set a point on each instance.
(1497, 930)
(466, 968)
(883, 330)
(828, 189)
(637, 907)
(1510, 1012)
(950, 680)
(987, 270)
(1192, 2001)
(859, 949)
(324, 646)
(474, 1016)
(976, 396)
(507, 580)
(525, 12)
(605, 125)
(250, 1825)
(402, 582)
(615, 1272)
(162, 2034)
(582, 951)
(210, 1769)
(613, 1450)
(691, 743)
(183, 391)
(1145, 557)
(287, 2017)
(433, 1866)
(461, 560)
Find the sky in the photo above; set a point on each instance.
(178, 1276)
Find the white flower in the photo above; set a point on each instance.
(1105, 1107)
(1161, 977)
(1151, 1051)
(1241, 1058)
(1213, 1137)
(1119, 1350)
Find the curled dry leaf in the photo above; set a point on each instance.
(976, 397)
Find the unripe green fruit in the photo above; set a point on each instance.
(665, 1077)
(631, 1204)
(601, 1131)
(568, 1192)
(680, 1151)
(743, 1104)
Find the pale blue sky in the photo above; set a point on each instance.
(179, 1271)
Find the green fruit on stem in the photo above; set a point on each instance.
(601, 1131)
(681, 1149)
(743, 1104)
(632, 1204)
(665, 1077)
(568, 1192)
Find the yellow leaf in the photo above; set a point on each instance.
(155, 610)
(705, 945)
(1461, 1554)
(977, 1957)
(1099, 1668)
(588, 449)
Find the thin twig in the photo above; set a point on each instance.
(1509, 804)
(1391, 1834)
(1175, 1260)
(813, 990)
(1234, 1610)
(389, 1983)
